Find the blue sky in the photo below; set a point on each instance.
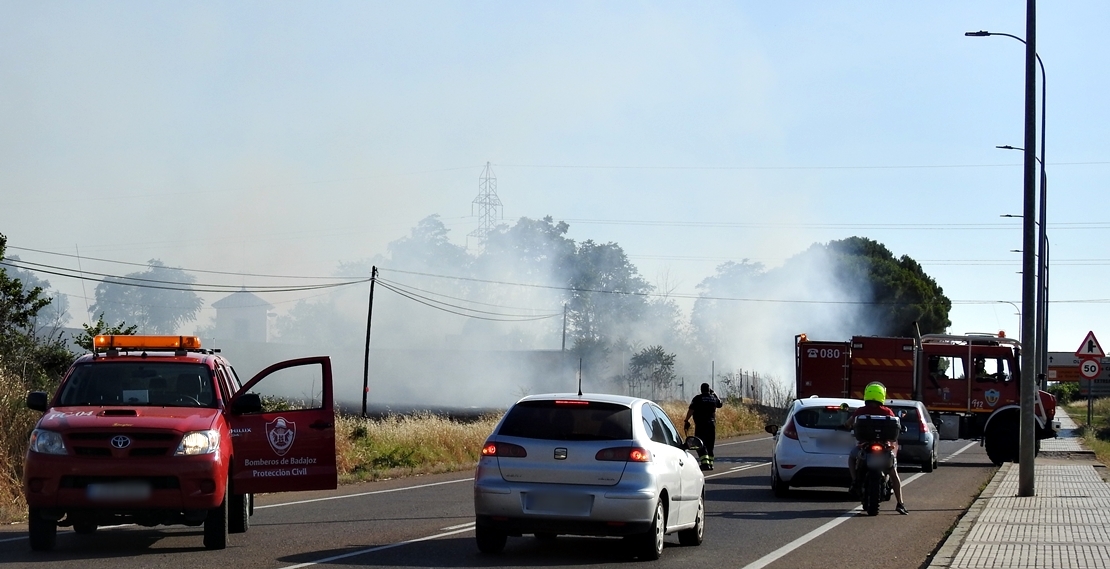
(286, 137)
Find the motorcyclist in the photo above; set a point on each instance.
(874, 394)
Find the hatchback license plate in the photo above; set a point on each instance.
(120, 491)
(570, 505)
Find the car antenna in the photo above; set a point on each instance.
(580, 377)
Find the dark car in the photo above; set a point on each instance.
(918, 442)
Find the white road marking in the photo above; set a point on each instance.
(379, 548)
(460, 526)
(738, 469)
(782, 551)
(360, 494)
(742, 442)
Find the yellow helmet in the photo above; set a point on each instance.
(874, 391)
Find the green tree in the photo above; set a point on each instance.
(652, 367)
(85, 339)
(26, 352)
(901, 292)
(157, 300)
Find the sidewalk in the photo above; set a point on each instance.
(1065, 525)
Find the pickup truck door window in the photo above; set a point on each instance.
(290, 444)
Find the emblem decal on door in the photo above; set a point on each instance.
(992, 397)
(280, 433)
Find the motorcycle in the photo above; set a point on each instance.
(876, 435)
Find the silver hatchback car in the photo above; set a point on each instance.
(595, 465)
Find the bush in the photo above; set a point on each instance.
(1065, 392)
(15, 428)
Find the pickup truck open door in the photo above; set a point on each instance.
(282, 444)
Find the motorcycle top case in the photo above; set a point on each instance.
(870, 428)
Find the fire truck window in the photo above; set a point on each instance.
(991, 369)
(943, 368)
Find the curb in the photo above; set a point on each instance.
(951, 546)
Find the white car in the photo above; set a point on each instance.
(812, 447)
(596, 465)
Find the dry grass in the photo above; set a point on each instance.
(16, 422)
(403, 445)
(1096, 436)
(733, 419)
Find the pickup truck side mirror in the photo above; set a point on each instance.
(37, 400)
(247, 403)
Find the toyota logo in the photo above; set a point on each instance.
(120, 441)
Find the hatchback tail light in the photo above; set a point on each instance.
(503, 449)
(790, 431)
(624, 454)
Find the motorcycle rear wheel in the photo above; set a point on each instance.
(872, 493)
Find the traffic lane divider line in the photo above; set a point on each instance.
(468, 524)
(378, 548)
(742, 442)
(361, 494)
(738, 469)
(804, 539)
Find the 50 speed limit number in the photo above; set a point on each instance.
(1089, 369)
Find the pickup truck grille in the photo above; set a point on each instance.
(143, 445)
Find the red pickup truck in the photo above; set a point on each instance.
(155, 430)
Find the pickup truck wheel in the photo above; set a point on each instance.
(84, 528)
(42, 532)
(215, 526)
(239, 513)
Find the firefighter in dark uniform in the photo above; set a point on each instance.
(703, 408)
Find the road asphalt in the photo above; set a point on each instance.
(1064, 525)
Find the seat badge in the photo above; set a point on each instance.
(560, 453)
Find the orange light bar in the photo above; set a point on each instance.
(106, 342)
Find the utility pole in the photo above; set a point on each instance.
(366, 356)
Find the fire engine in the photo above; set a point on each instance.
(156, 430)
(969, 383)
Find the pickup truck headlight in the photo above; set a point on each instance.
(47, 442)
(199, 442)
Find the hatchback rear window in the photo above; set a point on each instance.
(568, 421)
(906, 414)
(821, 417)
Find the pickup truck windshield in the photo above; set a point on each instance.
(160, 384)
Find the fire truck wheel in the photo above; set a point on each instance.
(42, 532)
(215, 526)
(239, 513)
(1002, 443)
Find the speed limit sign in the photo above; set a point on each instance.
(1089, 369)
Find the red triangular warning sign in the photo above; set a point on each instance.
(1090, 347)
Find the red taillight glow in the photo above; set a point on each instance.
(571, 402)
(876, 448)
(624, 454)
(503, 449)
(790, 431)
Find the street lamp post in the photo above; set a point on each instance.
(1027, 427)
(1042, 277)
